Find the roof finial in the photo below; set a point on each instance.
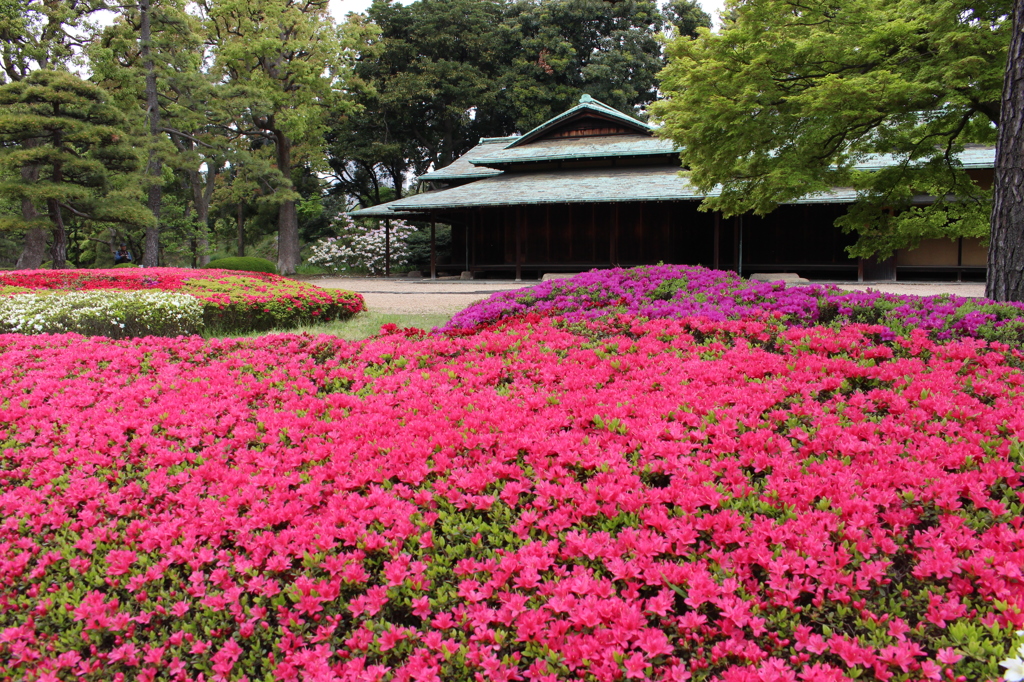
(586, 99)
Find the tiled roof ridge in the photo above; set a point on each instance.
(586, 102)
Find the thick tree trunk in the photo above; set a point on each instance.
(151, 255)
(59, 247)
(34, 252)
(287, 239)
(1006, 248)
(287, 216)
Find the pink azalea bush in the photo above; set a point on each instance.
(231, 301)
(609, 499)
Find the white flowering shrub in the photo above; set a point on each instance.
(361, 248)
(114, 314)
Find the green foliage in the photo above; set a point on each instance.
(419, 247)
(114, 314)
(789, 97)
(448, 72)
(75, 150)
(686, 17)
(125, 265)
(563, 48)
(245, 264)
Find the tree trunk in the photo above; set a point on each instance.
(287, 216)
(201, 192)
(59, 247)
(1006, 248)
(151, 255)
(34, 252)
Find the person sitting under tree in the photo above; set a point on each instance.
(122, 255)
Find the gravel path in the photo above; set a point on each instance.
(416, 296)
(447, 297)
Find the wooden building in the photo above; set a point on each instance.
(593, 187)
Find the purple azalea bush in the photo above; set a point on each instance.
(678, 291)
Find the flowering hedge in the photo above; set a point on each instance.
(231, 301)
(114, 314)
(681, 291)
(617, 499)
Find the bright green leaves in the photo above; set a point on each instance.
(789, 97)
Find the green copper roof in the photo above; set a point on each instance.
(462, 169)
(973, 156)
(593, 185)
(564, 149)
(587, 105)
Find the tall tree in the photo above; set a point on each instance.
(686, 17)
(436, 76)
(449, 72)
(792, 94)
(154, 165)
(82, 153)
(288, 63)
(609, 50)
(169, 70)
(1006, 247)
(39, 35)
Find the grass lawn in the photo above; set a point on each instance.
(360, 326)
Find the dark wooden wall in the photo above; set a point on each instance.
(575, 237)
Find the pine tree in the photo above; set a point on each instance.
(78, 144)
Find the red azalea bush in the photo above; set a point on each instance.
(254, 301)
(619, 499)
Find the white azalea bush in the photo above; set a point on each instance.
(114, 314)
(362, 248)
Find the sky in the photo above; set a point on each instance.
(339, 8)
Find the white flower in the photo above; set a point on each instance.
(1014, 668)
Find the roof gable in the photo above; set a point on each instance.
(588, 118)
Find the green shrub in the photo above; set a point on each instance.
(126, 265)
(244, 264)
(114, 314)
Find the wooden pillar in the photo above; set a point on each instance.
(592, 233)
(433, 248)
(471, 218)
(736, 244)
(387, 247)
(547, 232)
(519, 244)
(739, 262)
(613, 239)
(959, 259)
(718, 236)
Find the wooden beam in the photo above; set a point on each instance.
(613, 239)
(519, 244)
(718, 237)
(959, 259)
(736, 244)
(433, 248)
(387, 247)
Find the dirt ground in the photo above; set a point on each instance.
(423, 296)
